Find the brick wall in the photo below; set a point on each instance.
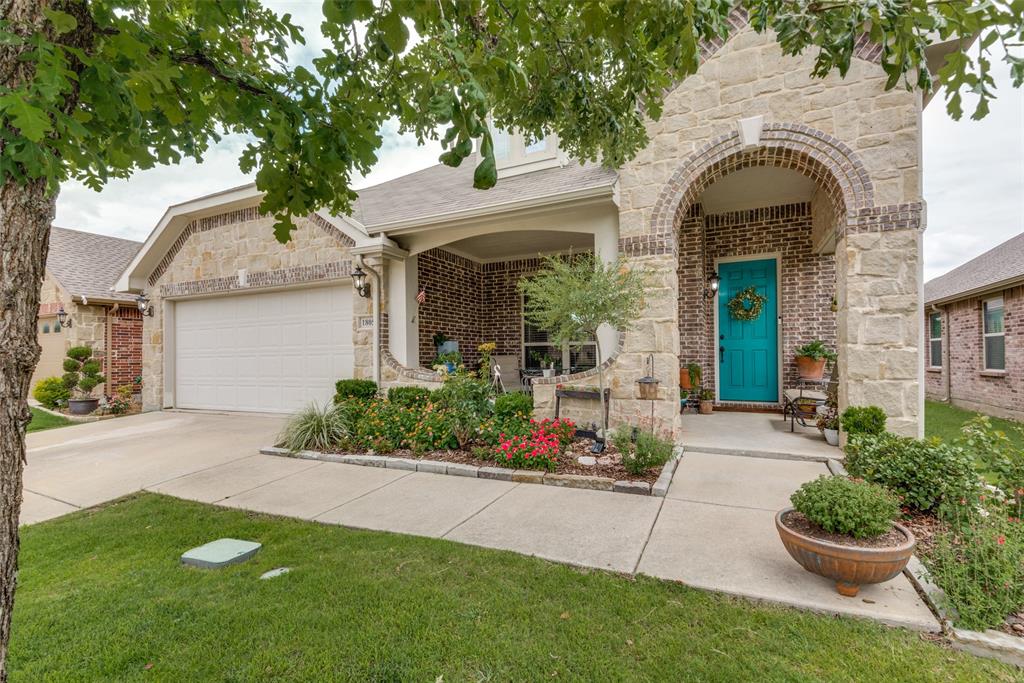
(806, 279)
(971, 386)
(124, 357)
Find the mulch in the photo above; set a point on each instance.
(609, 463)
(800, 524)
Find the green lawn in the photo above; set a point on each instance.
(43, 420)
(944, 421)
(103, 597)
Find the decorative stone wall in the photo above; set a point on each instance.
(806, 279)
(970, 385)
(208, 256)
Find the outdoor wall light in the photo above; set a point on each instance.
(63, 318)
(143, 304)
(714, 282)
(359, 280)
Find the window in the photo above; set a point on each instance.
(536, 146)
(46, 328)
(56, 327)
(539, 351)
(935, 340)
(995, 350)
(501, 143)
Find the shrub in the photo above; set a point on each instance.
(538, 451)
(364, 389)
(81, 372)
(562, 428)
(315, 428)
(431, 430)
(863, 420)
(922, 473)
(1001, 461)
(649, 450)
(121, 403)
(382, 426)
(51, 392)
(411, 397)
(516, 404)
(978, 560)
(467, 399)
(853, 507)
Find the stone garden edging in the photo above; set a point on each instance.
(576, 481)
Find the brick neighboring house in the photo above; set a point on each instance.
(974, 356)
(807, 189)
(81, 269)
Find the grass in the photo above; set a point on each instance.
(102, 596)
(944, 421)
(43, 420)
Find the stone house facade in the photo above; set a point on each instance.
(81, 269)
(974, 354)
(753, 163)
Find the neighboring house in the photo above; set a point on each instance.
(81, 269)
(817, 204)
(975, 351)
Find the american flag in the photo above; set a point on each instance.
(421, 298)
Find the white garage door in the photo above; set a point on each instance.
(268, 352)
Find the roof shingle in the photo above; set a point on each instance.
(87, 264)
(996, 265)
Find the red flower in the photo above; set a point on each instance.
(1001, 540)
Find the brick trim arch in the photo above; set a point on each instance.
(823, 158)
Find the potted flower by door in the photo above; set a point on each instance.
(828, 423)
(811, 359)
(845, 530)
(451, 360)
(707, 402)
(689, 377)
(81, 376)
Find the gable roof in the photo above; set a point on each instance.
(1002, 264)
(87, 264)
(440, 190)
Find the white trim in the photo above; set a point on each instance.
(985, 335)
(777, 257)
(170, 372)
(940, 339)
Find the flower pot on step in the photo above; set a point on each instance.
(82, 406)
(684, 379)
(831, 436)
(707, 407)
(810, 368)
(849, 566)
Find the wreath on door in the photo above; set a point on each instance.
(746, 304)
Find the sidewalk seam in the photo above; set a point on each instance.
(650, 532)
(318, 515)
(514, 487)
(266, 483)
(145, 487)
(46, 495)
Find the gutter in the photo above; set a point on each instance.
(978, 291)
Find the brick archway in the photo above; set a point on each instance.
(814, 153)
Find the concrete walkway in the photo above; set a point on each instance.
(755, 435)
(715, 529)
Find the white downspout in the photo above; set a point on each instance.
(375, 299)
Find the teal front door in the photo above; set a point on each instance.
(748, 351)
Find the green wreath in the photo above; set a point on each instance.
(746, 304)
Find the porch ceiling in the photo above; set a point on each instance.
(752, 188)
(510, 244)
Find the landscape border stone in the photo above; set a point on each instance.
(576, 481)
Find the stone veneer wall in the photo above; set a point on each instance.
(206, 259)
(971, 386)
(806, 280)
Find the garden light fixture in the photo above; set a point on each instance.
(359, 279)
(714, 282)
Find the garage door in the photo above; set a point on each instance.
(268, 352)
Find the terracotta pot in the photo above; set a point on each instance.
(810, 368)
(849, 566)
(706, 407)
(82, 406)
(684, 379)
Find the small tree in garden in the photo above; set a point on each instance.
(82, 371)
(572, 297)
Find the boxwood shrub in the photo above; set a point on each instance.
(840, 505)
(513, 405)
(51, 392)
(921, 472)
(409, 396)
(364, 389)
(863, 420)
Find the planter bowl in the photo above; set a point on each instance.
(82, 406)
(810, 368)
(707, 407)
(849, 566)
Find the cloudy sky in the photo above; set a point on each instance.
(973, 174)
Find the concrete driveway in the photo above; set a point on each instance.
(87, 464)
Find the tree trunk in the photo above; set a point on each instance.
(26, 212)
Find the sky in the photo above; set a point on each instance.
(973, 173)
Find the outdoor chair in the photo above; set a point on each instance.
(508, 371)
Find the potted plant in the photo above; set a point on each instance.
(450, 359)
(689, 376)
(811, 359)
(444, 344)
(845, 530)
(81, 376)
(828, 423)
(546, 362)
(707, 401)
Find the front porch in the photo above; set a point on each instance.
(763, 434)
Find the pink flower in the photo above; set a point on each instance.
(1001, 540)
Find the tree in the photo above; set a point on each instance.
(95, 89)
(572, 297)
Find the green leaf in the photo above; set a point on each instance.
(347, 11)
(33, 122)
(486, 174)
(62, 21)
(393, 32)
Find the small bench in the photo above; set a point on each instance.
(800, 404)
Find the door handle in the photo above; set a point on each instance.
(721, 354)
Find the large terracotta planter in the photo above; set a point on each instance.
(706, 406)
(684, 379)
(849, 566)
(810, 368)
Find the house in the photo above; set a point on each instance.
(973, 352)
(807, 189)
(78, 307)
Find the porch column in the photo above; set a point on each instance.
(403, 321)
(879, 317)
(606, 249)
